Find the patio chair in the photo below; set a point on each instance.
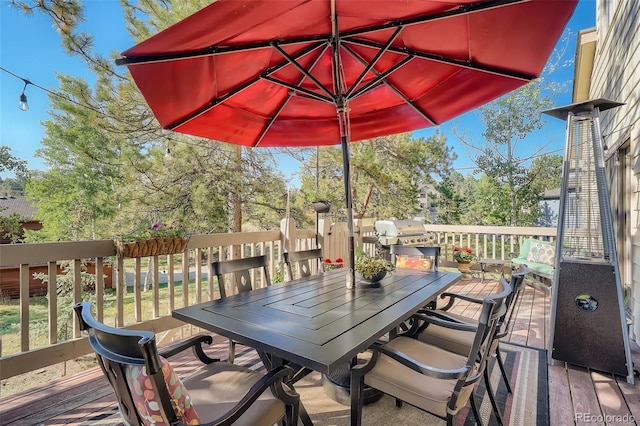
(424, 258)
(459, 341)
(218, 393)
(302, 260)
(242, 270)
(427, 376)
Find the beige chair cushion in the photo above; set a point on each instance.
(217, 387)
(456, 341)
(422, 391)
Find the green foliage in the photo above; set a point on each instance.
(113, 169)
(173, 229)
(64, 293)
(10, 227)
(10, 163)
(369, 266)
(386, 178)
(463, 254)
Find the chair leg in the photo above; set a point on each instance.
(232, 351)
(492, 398)
(502, 370)
(474, 410)
(398, 403)
(357, 398)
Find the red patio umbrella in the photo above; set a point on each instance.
(278, 73)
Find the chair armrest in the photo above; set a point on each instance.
(453, 296)
(193, 342)
(274, 379)
(442, 320)
(418, 366)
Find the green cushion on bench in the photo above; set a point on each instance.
(538, 255)
(536, 268)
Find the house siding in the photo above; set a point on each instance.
(616, 76)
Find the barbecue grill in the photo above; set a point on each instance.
(402, 232)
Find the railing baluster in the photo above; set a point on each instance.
(185, 278)
(210, 273)
(198, 265)
(99, 290)
(120, 291)
(52, 290)
(24, 307)
(77, 291)
(137, 284)
(155, 295)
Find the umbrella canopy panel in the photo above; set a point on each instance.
(275, 73)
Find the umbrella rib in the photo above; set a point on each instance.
(445, 60)
(380, 77)
(460, 11)
(395, 90)
(375, 59)
(300, 68)
(307, 92)
(213, 51)
(286, 101)
(216, 101)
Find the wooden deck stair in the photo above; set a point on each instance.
(576, 395)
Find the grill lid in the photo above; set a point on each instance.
(399, 228)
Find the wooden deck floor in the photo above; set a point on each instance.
(576, 395)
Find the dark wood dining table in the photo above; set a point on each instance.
(316, 322)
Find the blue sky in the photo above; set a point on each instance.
(30, 48)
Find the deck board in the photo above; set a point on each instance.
(610, 398)
(559, 396)
(82, 399)
(583, 395)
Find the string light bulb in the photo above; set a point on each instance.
(23, 105)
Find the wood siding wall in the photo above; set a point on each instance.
(616, 76)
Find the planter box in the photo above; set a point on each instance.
(151, 247)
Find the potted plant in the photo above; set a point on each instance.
(158, 239)
(464, 256)
(372, 268)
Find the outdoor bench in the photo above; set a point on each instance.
(539, 256)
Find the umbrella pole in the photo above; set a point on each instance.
(351, 273)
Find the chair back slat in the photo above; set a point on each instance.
(493, 308)
(242, 273)
(302, 259)
(517, 286)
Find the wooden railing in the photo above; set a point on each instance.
(152, 312)
(493, 242)
(130, 306)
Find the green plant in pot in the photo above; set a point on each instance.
(372, 268)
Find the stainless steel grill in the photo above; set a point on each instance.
(402, 232)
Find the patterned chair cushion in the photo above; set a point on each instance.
(542, 252)
(145, 399)
(414, 262)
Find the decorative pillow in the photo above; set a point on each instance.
(414, 262)
(146, 401)
(542, 252)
